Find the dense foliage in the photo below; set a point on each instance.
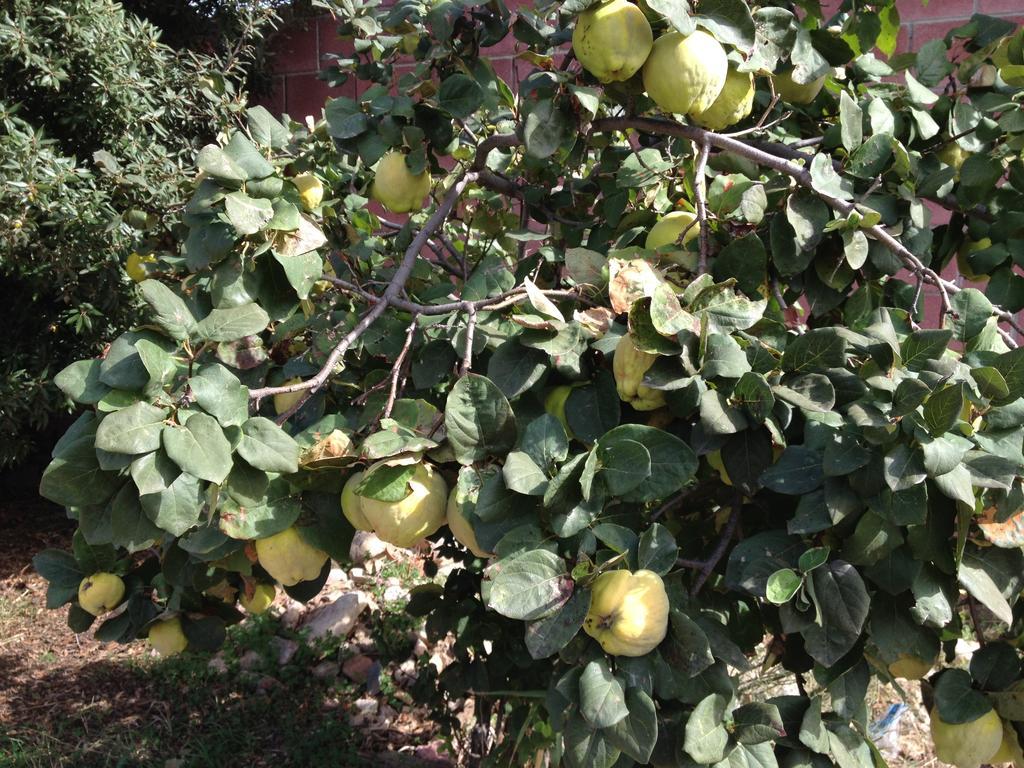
(99, 122)
(808, 469)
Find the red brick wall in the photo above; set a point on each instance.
(300, 51)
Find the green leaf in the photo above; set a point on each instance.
(154, 472)
(62, 572)
(677, 13)
(956, 699)
(302, 270)
(386, 482)
(942, 409)
(514, 369)
(706, 737)
(130, 527)
(277, 510)
(842, 602)
(585, 747)
(798, 471)
(169, 311)
(221, 394)
(214, 162)
(268, 447)
(199, 448)
(624, 464)
(478, 419)
(544, 129)
(673, 463)
(729, 21)
(815, 350)
(657, 550)
(851, 117)
(266, 129)
(826, 181)
(904, 467)
(529, 586)
(783, 585)
(345, 118)
(602, 698)
(687, 647)
(248, 215)
(81, 382)
(177, 508)
(924, 345)
(807, 215)
(979, 583)
(243, 154)
(135, 429)
(546, 637)
(756, 723)
(637, 733)
(460, 95)
(233, 323)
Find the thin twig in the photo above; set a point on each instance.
(700, 192)
(803, 178)
(467, 355)
(396, 372)
(390, 295)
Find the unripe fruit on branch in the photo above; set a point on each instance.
(612, 40)
(135, 266)
(629, 366)
(284, 401)
(166, 637)
(396, 187)
(288, 558)
(685, 73)
(733, 104)
(461, 528)
(262, 597)
(100, 593)
(628, 612)
(796, 93)
(966, 745)
(311, 190)
(404, 522)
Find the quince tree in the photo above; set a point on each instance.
(675, 327)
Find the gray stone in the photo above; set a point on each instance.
(250, 660)
(284, 648)
(365, 547)
(326, 670)
(337, 618)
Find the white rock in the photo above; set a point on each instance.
(337, 578)
(285, 649)
(337, 618)
(365, 547)
(394, 594)
(250, 660)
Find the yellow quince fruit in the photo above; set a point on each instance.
(396, 187)
(612, 40)
(966, 745)
(166, 637)
(289, 558)
(262, 597)
(100, 593)
(667, 231)
(460, 526)
(964, 265)
(907, 666)
(404, 522)
(135, 266)
(715, 460)
(796, 93)
(351, 504)
(1009, 749)
(283, 402)
(685, 73)
(554, 404)
(629, 365)
(311, 190)
(953, 155)
(628, 612)
(733, 104)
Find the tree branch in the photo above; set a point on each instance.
(803, 178)
(390, 295)
(700, 192)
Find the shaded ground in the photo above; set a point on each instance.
(68, 700)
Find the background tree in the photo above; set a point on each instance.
(99, 121)
(682, 388)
